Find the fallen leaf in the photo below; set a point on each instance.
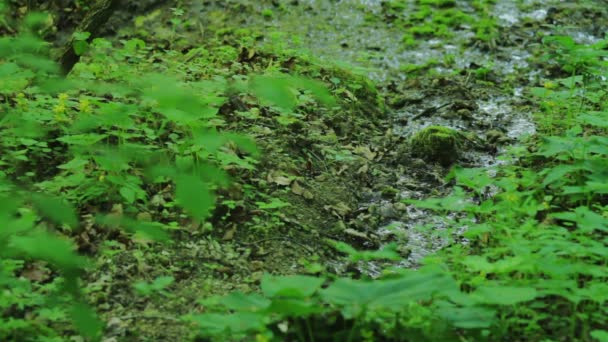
(229, 234)
(365, 152)
(36, 271)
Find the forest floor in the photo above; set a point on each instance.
(325, 174)
(333, 174)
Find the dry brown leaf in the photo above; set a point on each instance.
(297, 189)
(363, 169)
(277, 177)
(340, 209)
(356, 233)
(229, 234)
(366, 152)
(36, 272)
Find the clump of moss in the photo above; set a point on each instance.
(437, 144)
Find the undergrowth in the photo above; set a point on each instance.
(530, 266)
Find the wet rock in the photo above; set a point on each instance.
(387, 211)
(389, 192)
(464, 114)
(436, 144)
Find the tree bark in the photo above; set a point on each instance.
(92, 23)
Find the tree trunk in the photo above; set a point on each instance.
(92, 23)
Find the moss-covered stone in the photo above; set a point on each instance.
(437, 144)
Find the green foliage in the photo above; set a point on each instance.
(157, 286)
(108, 136)
(115, 139)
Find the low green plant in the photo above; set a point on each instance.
(109, 138)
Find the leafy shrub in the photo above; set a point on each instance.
(106, 138)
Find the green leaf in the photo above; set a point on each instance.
(598, 119)
(504, 295)
(44, 246)
(55, 209)
(473, 178)
(86, 321)
(586, 220)
(468, 317)
(553, 146)
(275, 203)
(80, 47)
(297, 286)
(194, 196)
(295, 307)
(212, 324)
(275, 90)
(557, 173)
(152, 230)
(600, 335)
(128, 194)
(81, 35)
(88, 139)
(354, 295)
(245, 302)
(387, 252)
(318, 89)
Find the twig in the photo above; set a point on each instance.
(283, 238)
(430, 111)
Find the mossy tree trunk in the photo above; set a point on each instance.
(93, 21)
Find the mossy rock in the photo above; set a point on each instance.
(437, 144)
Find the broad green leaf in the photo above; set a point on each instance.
(216, 324)
(600, 335)
(44, 246)
(55, 209)
(86, 321)
(152, 230)
(558, 172)
(194, 196)
(88, 139)
(504, 295)
(467, 317)
(296, 286)
(586, 220)
(318, 89)
(275, 90)
(295, 307)
(553, 146)
(128, 194)
(388, 294)
(387, 252)
(473, 178)
(245, 302)
(598, 119)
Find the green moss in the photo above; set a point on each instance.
(437, 144)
